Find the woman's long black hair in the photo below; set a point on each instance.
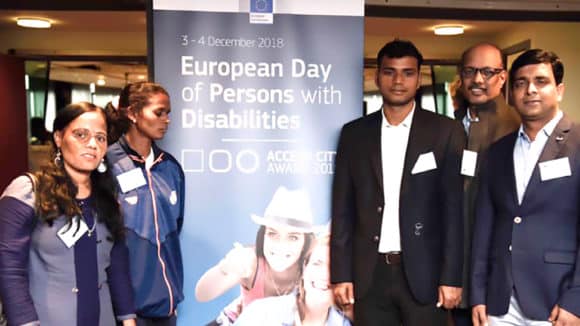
(56, 193)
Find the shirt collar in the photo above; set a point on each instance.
(405, 123)
(548, 127)
(468, 116)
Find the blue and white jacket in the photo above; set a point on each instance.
(153, 215)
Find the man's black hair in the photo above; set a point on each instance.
(397, 49)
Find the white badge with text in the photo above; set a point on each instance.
(425, 162)
(554, 169)
(71, 233)
(468, 163)
(131, 179)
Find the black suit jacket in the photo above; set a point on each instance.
(430, 221)
(533, 246)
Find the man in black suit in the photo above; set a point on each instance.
(396, 242)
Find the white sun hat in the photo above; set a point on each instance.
(289, 210)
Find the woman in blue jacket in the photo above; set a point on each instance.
(151, 192)
(62, 256)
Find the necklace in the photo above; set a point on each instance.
(280, 291)
(92, 229)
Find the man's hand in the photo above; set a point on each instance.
(449, 297)
(343, 294)
(561, 317)
(479, 315)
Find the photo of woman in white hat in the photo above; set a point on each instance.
(274, 266)
(311, 304)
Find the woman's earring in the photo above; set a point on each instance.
(102, 168)
(57, 157)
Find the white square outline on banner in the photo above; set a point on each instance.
(187, 151)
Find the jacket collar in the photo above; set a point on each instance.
(486, 108)
(125, 145)
(552, 150)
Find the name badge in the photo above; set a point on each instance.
(468, 163)
(554, 169)
(131, 179)
(71, 233)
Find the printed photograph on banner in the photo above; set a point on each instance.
(312, 300)
(289, 261)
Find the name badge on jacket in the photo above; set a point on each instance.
(131, 179)
(425, 162)
(71, 233)
(468, 163)
(554, 169)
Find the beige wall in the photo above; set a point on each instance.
(77, 43)
(563, 39)
(443, 47)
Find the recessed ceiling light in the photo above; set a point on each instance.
(448, 30)
(33, 22)
(101, 82)
(141, 77)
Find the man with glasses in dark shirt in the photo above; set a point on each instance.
(486, 119)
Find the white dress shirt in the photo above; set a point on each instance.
(527, 152)
(394, 141)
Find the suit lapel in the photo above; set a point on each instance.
(481, 132)
(552, 150)
(374, 129)
(459, 114)
(420, 136)
(478, 132)
(509, 173)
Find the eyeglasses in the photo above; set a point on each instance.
(83, 135)
(486, 72)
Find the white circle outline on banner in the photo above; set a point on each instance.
(239, 163)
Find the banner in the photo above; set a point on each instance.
(259, 90)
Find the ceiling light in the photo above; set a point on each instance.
(101, 82)
(141, 77)
(448, 30)
(33, 22)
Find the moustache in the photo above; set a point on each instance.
(476, 86)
